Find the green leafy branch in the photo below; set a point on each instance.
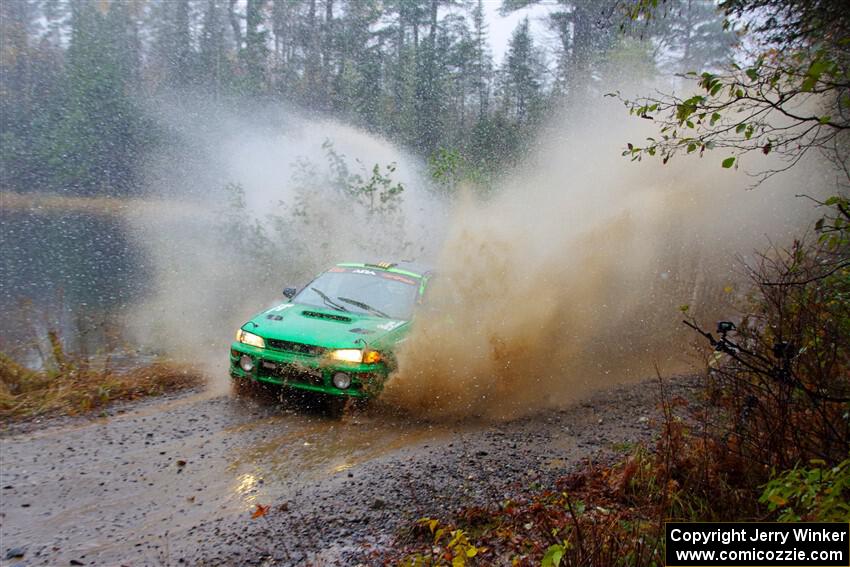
(817, 493)
(375, 190)
(765, 108)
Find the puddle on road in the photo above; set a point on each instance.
(320, 448)
(122, 486)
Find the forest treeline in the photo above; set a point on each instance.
(76, 75)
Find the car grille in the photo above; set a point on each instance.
(299, 348)
(291, 373)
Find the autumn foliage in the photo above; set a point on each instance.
(73, 385)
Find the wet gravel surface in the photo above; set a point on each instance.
(175, 481)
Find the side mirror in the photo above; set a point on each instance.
(289, 292)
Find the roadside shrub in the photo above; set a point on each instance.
(71, 385)
(782, 391)
(814, 494)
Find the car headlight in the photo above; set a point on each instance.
(247, 338)
(347, 354)
(356, 355)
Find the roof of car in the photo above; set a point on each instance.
(409, 267)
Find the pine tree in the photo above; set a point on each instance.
(429, 92)
(694, 34)
(100, 138)
(481, 68)
(253, 57)
(214, 63)
(521, 80)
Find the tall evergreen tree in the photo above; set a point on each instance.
(481, 68)
(521, 79)
(214, 64)
(253, 57)
(429, 92)
(17, 85)
(693, 38)
(100, 138)
(585, 30)
(172, 45)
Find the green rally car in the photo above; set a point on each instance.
(335, 336)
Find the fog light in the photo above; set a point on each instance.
(246, 363)
(342, 380)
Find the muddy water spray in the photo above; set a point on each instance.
(567, 279)
(571, 278)
(205, 285)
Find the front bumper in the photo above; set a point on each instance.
(304, 372)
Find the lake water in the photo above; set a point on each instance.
(73, 272)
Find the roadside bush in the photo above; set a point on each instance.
(782, 391)
(72, 385)
(815, 494)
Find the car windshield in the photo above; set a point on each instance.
(364, 291)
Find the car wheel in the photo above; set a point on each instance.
(245, 387)
(335, 406)
(344, 407)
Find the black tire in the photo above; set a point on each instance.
(335, 406)
(341, 407)
(245, 387)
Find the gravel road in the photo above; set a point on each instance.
(175, 481)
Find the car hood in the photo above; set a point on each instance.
(325, 327)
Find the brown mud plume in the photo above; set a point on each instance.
(566, 278)
(572, 277)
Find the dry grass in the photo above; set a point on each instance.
(75, 388)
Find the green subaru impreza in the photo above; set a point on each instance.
(336, 335)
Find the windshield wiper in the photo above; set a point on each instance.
(328, 301)
(364, 306)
